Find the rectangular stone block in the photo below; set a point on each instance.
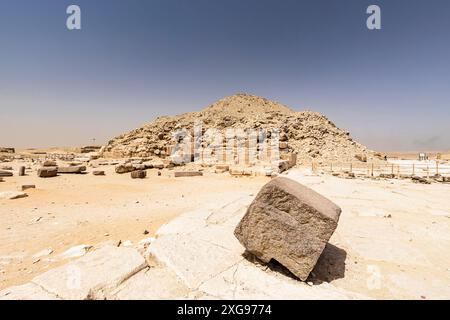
(180, 174)
(72, 169)
(290, 223)
(47, 172)
(6, 174)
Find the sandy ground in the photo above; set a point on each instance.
(392, 240)
(70, 210)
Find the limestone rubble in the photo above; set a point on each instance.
(308, 134)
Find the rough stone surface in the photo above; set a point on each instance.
(47, 172)
(98, 173)
(93, 275)
(290, 223)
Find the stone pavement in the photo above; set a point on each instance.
(195, 256)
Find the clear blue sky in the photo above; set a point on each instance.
(136, 59)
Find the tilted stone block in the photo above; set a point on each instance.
(290, 223)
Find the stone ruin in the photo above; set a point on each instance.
(308, 135)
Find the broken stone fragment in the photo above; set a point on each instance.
(98, 173)
(222, 167)
(72, 169)
(290, 223)
(12, 195)
(47, 172)
(6, 174)
(28, 186)
(138, 174)
(180, 174)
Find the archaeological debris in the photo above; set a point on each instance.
(72, 169)
(180, 174)
(12, 195)
(139, 174)
(302, 136)
(28, 186)
(47, 172)
(5, 173)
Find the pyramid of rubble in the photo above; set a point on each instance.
(308, 134)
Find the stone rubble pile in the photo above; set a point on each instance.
(307, 136)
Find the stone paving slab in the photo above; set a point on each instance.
(28, 291)
(155, 283)
(91, 276)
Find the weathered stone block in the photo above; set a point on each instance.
(124, 168)
(47, 172)
(138, 174)
(28, 186)
(6, 174)
(290, 223)
(222, 167)
(180, 174)
(72, 169)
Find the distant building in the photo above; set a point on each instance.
(423, 156)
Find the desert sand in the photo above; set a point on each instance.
(71, 210)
